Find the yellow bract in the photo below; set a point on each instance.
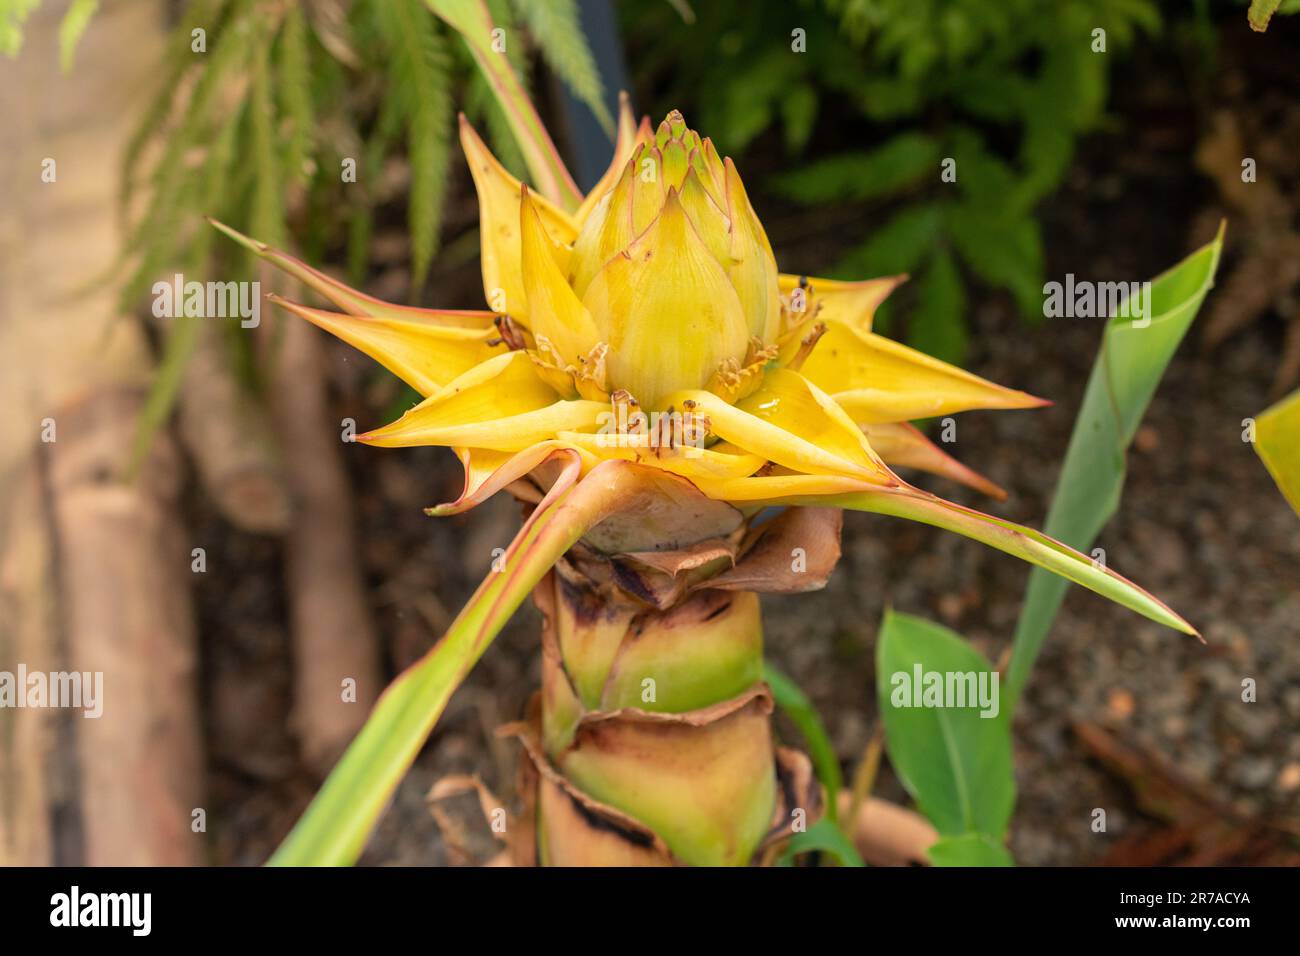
(793, 423)
(417, 349)
(752, 266)
(876, 379)
(605, 233)
(853, 303)
(667, 310)
(501, 404)
(554, 311)
(652, 325)
(499, 200)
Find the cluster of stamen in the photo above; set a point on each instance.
(800, 328)
(735, 380)
(588, 379)
(509, 333)
(665, 433)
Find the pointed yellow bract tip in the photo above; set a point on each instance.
(554, 310)
(421, 351)
(500, 242)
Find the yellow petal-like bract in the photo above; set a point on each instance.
(667, 310)
(652, 325)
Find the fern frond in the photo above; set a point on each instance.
(293, 80)
(178, 62)
(554, 25)
(361, 226)
(182, 334)
(215, 185)
(419, 80)
(13, 14)
(210, 191)
(267, 219)
(71, 28)
(481, 104)
(156, 237)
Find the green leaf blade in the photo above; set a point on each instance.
(826, 837)
(1017, 540)
(1134, 355)
(969, 849)
(791, 699)
(956, 764)
(334, 827)
(333, 830)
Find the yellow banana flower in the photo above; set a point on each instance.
(652, 325)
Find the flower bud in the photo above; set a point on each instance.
(677, 206)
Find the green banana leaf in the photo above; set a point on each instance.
(336, 825)
(1133, 358)
(969, 849)
(955, 761)
(826, 837)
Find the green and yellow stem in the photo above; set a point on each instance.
(653, 743)
(662, 715)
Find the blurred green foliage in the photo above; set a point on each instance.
(294, 121)
(1262, 11)
(888, 90)
(294, 110)
(14, 14)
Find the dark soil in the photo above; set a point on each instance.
(1201, 525)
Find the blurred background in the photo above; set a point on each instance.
(179, 510)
